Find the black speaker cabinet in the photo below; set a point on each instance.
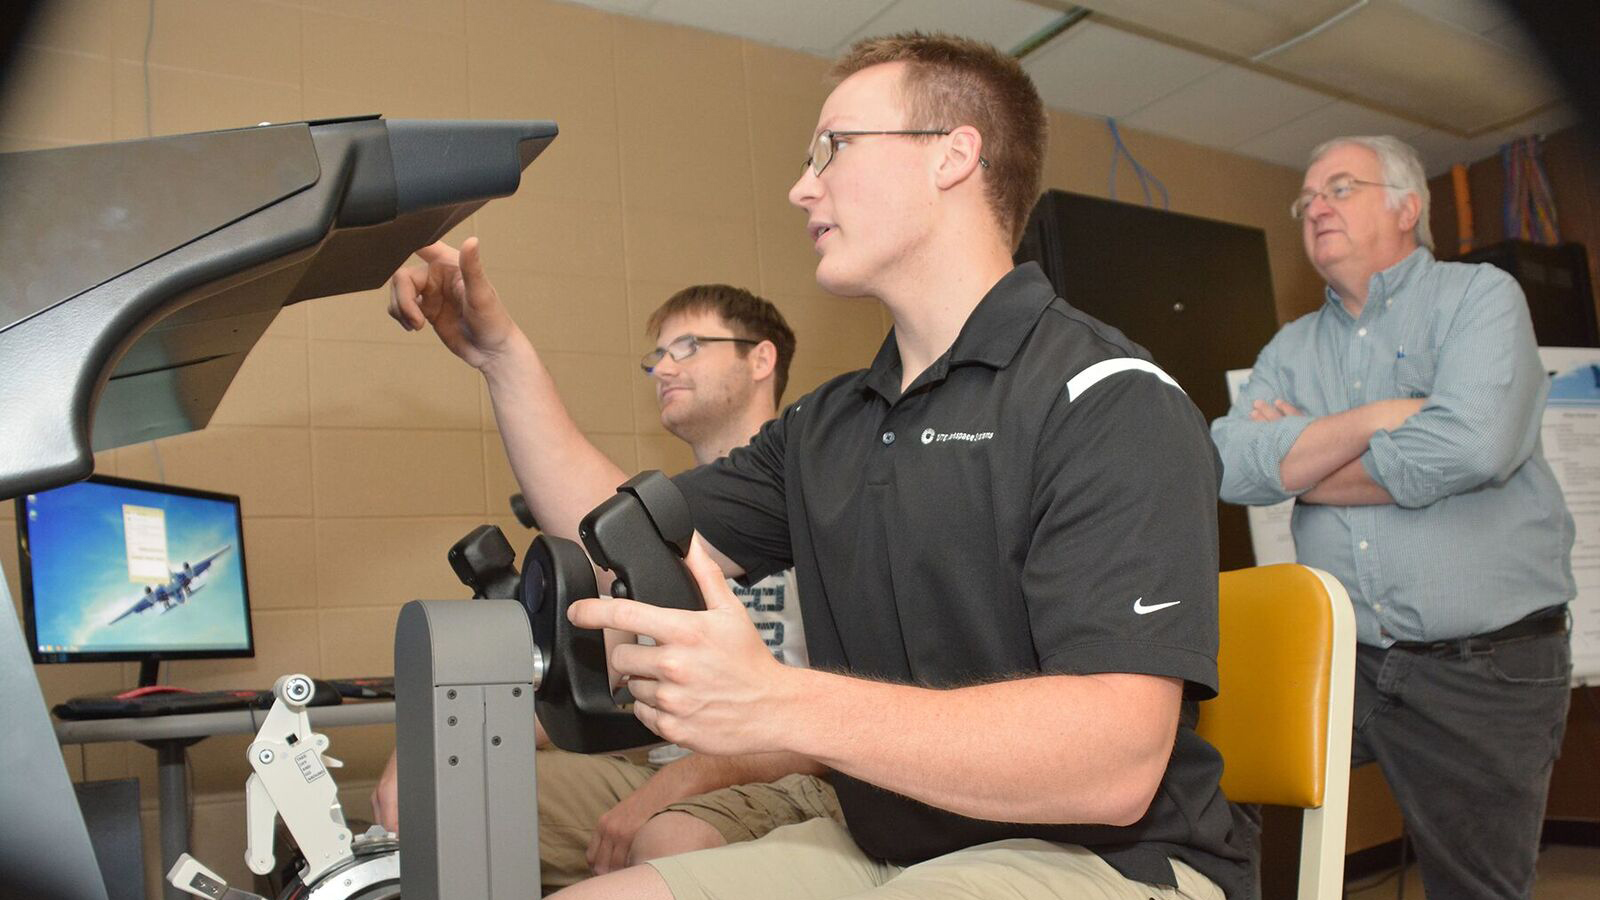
(1556, 283)
(1196, 293)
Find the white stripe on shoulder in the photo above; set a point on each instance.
(1091, 376)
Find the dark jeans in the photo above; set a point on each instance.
(1466, 740)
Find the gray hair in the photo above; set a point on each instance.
(1402, 170)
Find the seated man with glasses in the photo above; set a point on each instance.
(1403, 416)
(720, 367)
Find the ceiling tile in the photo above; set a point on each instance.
(1515, 38)
(1395, 57)
(815, 26)
(1100, 70)
(1003, 23)
(1439, 150)
(1477, 16)
(1470, 150)
(1290, 144)
(1227, 108)
(1548, 122)
(1240, 28)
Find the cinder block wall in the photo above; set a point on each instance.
(362, 452)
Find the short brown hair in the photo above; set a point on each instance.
(748, 315)
(952, 81)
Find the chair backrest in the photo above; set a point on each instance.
(1282, 714)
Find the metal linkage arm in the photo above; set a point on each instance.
(291, 780)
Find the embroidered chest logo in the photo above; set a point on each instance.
(930, 436)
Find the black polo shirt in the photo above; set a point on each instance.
(1042, 500)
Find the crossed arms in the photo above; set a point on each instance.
(1476, 426)
(1325, 461)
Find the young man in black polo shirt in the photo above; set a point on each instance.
(1005, 532)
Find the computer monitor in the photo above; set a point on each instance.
(114, 569)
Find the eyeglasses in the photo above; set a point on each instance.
(826, 142)
(684, 347)
(1338, 188)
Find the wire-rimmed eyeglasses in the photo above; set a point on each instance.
(826, 142)
(681, 348)
(1338, 188)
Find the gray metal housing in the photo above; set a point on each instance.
(465, 675)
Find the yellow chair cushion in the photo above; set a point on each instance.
(1269, 718)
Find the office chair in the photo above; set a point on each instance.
(1282, 714)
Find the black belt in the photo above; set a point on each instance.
(1550, 620)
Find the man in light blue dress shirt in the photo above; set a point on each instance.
(1403, 416)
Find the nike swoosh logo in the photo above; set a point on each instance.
(1141, 609)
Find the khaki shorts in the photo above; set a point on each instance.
(575, 790)
(817, 860)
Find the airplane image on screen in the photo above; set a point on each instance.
(178, 589)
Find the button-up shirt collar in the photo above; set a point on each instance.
(1383, 285)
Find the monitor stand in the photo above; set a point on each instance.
(172, 775)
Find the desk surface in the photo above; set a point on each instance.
(232, 721)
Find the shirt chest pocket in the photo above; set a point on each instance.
(1413, 373)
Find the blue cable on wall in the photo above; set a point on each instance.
(1118, 148)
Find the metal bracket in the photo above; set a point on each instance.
(291, 781)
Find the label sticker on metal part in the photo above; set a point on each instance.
(310, 765)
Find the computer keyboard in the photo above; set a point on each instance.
(160, 704)
(371, 688)
(170, 702)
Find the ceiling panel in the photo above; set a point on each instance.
(1547, 122)
(1100, 70)
(1290, 144)
(1476, 16)
(1514, 37)
(1227, 108)
(1439, 150)
(1003, 23)
(812, 26)
(1242, 28)
(1442, 69)
(1394, 57)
